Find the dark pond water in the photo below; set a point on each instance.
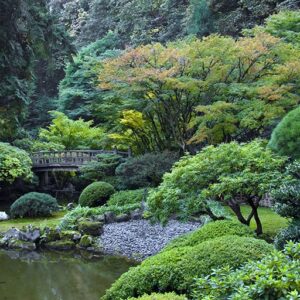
(51, 276)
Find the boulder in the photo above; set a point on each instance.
(137, 214)
(85, 241)
(71, 235)
(109, 217)
(99, 218)
(60, 245)
(3, 216)
(23, 245)
(12, 233)
(30, 234)
(90, 227)
(122, 218)
(50, 235)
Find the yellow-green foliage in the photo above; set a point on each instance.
(155, 296)
(14, 163)
(175, 269)
(78, 134)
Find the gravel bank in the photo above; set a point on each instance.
(139, 239)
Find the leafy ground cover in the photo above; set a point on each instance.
(51, 221)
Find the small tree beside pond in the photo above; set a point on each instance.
(233, 174)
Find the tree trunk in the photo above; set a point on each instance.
(254, 207)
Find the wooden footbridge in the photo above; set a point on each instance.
(69, 160)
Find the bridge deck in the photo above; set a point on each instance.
(67, 160)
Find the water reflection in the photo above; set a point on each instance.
(51, 276)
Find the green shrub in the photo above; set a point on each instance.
(155, 296)
(210, 231)
(14, 163)
(127, 197)
(230, 173)
(291, 233)
(96, 194)
(276, 276)
(285, 137)
(174, 270)
(33, 205)
(145, 170)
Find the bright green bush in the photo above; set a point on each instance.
(127, 197)
(276, 276)
(231, 173)
(14, 163)
(155, 296)
(96, 194)
(33, 205)
(210, 231)
(286, 136)
(174, 270)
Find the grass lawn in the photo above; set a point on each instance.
(40, 222)
(271, 221)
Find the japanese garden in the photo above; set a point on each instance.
(149, 149)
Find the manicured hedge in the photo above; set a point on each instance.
(96, 194)
(175, 269)
(210, 231)
(33, 205)
(126, 197)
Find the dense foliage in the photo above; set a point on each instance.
(145, 170)
(285, 138)
(276, 276)
(127, 197)
(155, 296)
(34, 205)
(103, 167)
(72, 134)
(287, 203)
(231, 173)
(194, 92)
(14, 163)
(210, 231)
(96, 194)
(31, 43)
(176, 269)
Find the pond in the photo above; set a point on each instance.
(57, 276)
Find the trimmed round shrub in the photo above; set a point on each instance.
(285, 138)
(155, 296)
(210, 231)
(276, 276)
(127, 197)
(96, 194)
(33, 205)
(175, 270)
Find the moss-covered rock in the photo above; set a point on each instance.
(23, 245)
(90, 227)
(85, 241)
(50, 235)
(71, 235)
(60, 245)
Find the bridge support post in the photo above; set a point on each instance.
(45, 178)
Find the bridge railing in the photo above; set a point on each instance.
(67, 158)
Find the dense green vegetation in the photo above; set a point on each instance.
(34, 205)
(198, 103)
(174, 269)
